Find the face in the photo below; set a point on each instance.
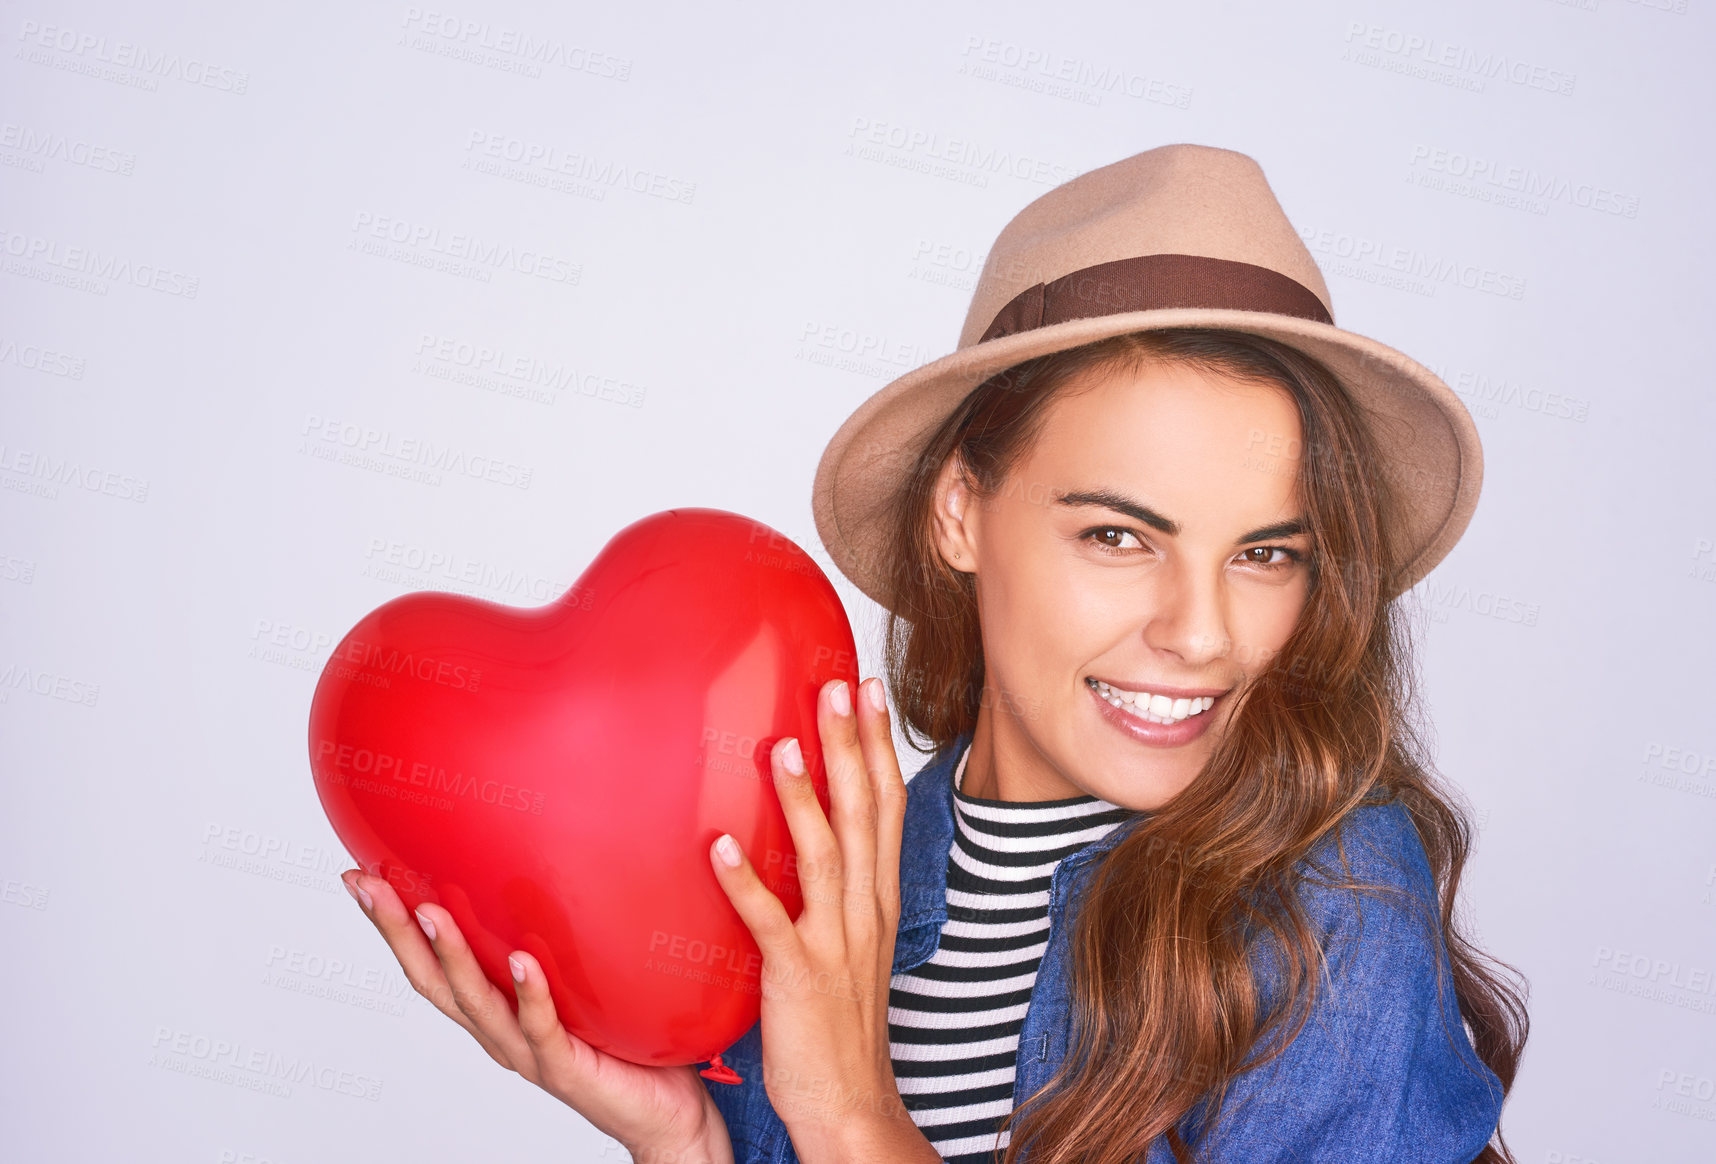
(1141, 548)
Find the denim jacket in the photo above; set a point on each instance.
(1381, 1071)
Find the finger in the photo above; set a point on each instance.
(889, 788)
(854, 808)
(560, 1060)
(817, 852)
(417, 958)
(761, 911)
(882, 764)
(480, 1000)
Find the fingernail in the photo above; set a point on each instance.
(728, 850)
(792, 757)
(877, 699)
(517, 968)
(359, 894)
(839, 700)
(428, 926)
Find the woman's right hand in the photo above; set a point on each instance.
(662, 1115)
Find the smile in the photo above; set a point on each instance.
(1152, 708)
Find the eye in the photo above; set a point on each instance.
(1103, 532)
(1290, 557)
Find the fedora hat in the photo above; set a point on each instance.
(1178, 236)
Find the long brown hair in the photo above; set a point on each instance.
(1166, 1008)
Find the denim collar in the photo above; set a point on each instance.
(927, 835)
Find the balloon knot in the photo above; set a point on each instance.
(719, 1071)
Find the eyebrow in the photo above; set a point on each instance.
(1137, 511)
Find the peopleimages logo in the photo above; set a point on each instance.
(370, 770)
(91, 50)
(482, 254)
(1445, 61)
(1523, 180)
(419, 566)
(256, 1068)
(331, 434)
(1486, 395)
(36, 358)
(525, 47)
(1359, 257)
(912, 148)
(96, 264)
(50, 472)
(1665, 980)
(48, 146)
(459, 360)
(1062, 76)
(553, 160)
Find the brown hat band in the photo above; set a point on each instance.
(1152, 282)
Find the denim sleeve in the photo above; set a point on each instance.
(1382, 1070)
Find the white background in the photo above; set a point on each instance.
(189, 197)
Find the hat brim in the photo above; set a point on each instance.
(1428, 442)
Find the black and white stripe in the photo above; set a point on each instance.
(953, 1022)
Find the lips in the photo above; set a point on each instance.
(1156, 704)
(1155, 733)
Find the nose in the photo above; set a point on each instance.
(1188, 618)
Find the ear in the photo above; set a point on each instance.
(955, 514)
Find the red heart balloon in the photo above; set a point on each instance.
(554, 776)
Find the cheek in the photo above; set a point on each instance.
(1051, 632)
(1035, 620)
(1263, 623)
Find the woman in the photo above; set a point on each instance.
(1177, 882)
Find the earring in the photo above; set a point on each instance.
(956, 553)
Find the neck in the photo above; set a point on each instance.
(1004, 764)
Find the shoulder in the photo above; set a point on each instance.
(926, 832)
(932, 782)
(1380, 843)
(1367, 892)
(1372, 865)
(1382, 1068)
(1381, 995)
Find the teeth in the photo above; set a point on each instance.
(1155, 708)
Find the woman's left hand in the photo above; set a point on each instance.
(827, 1068)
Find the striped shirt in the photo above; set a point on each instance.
(953, 1022)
